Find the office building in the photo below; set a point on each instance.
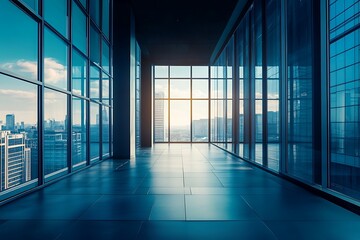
(138, 119)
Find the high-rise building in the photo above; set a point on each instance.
(159, 119)
(15, 159)
(10, 122)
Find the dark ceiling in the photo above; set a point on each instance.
(180, 31)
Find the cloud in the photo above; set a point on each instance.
(22, 67)
(54, 71)
(18, 93)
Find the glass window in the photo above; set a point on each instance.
(344, 98)
(200, 72)
(200, 88)
(161, 72)
(180, 72)
(180, 121)
(161, 88)
(300, 78)
(106, 17)
(79, 65)
(105, 88)
(94, 83)
(94, 131)
(94, 45)
(180, 88)
(161, 121)
(55, 13)
(18, 133)
(105, 56)
(22, 60)
(33, 4)
(95, 11)
(200, 120)
(55, 132)
(55, 60)
(79, 132)
(79, 28)
(105, 131)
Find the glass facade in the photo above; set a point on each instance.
(344, 83)
(58, 109)
(281, 119)
(181, 103)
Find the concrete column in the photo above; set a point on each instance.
(124, 80)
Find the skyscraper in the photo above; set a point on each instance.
(159, 119)
(10, 122)
(15, 160)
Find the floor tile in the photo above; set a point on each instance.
(217, 207)
(179, 230)
(104, 230)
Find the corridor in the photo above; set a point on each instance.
(177, 191)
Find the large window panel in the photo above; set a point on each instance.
(180, 121)
(95, 11)
(94, 83)
(200, 121)
(55, 132)
(79, 73)
(22, 60)
(105, 81)
(180, 71)
(161, 88)
(94, 45)
(79, 28)
(79, 132)
(180, 88)
(19, 134)
(105, 56)
(106, 17)
(200, 88)
(300, 78)
(55, 60)
(56, 14)
(161, 121)
(105, 131)
(344, 98)
(94, 131)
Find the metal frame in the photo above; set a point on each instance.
(42, 24)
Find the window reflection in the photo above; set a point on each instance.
(94, 131)
(106, 17)
(94, 45)
(105, 81)
(94, 83)
(79, 65)
(180, 121)
(55, 13)
(105, 131)
(79, 28)
(55, 132)
(79, 132)
(105, 56)
(55, 60)
(18, 132)
(22, 60)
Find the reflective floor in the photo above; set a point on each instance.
(178, 191)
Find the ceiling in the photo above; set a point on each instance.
(180, 32)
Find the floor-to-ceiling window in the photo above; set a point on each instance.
(344, 81)
(55, 84)
(181, 103)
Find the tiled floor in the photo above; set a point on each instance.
(178, 191)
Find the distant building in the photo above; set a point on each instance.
(10, 122)
(159, 120)
(15, 160)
